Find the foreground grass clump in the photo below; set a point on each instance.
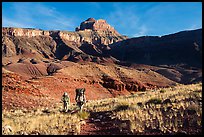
(154, 101)
(162, 91)
(83, 115)
(122, 107)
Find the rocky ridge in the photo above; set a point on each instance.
(86, 44)
(184, 47)
(99, 29)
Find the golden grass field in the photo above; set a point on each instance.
(165, 111)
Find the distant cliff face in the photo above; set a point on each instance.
(24, 32)
(91, 31)
(180, 48)
(92, 38)
(95, 40)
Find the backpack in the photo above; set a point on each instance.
(80, 94)
(65, 98)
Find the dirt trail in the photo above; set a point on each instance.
(100, 123)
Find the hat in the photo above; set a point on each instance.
(65, 93)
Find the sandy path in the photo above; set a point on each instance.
(100, 123)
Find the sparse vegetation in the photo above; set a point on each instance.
(121, 107)
(42, 123)
(154, 101)
(180, 115)
(169, 118)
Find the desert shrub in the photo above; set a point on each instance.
(197, 94)
(122, 107)
(46, 111)
(198, 90)
(140, 104)
(192, 109)
(162, 91)
(154, 101)
(167, 101)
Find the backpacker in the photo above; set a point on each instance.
(80, 94)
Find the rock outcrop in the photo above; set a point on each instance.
(23, 32)
(111, 83)
(96, 25)
(128, 84)
(99, 31)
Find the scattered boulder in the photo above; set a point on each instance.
(22, 133)
(24, 60)
(34, 133)
(53, 67)
(46, 111)
(83, 122)
(34, 61)
(6, 130)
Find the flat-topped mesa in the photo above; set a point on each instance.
(96, 25)
(90, 31)
(24, 32)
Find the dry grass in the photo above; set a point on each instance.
(43, 122)
(178, 108)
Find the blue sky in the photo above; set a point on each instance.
(132, 19)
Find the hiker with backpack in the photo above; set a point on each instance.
(66, 101)
(80, 98)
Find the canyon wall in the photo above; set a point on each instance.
(90, 31)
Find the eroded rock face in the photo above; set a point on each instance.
(91, 30)
(180, 48)
(134, 85)
(111, 83)
(96, 35)
(96, 25)
(128, 84)
(94, 32)
(24, 32)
